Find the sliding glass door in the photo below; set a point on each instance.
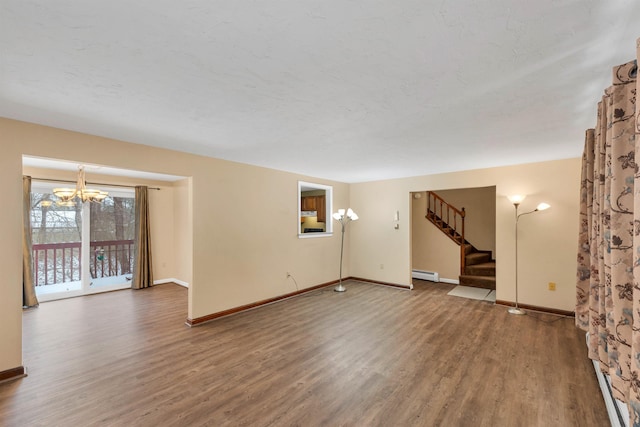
(81, 248)
(111, 241)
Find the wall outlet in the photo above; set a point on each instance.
(552, 286)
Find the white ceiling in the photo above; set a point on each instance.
(348, 90)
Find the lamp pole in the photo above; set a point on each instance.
(343, 217)
(340, 287)
(517, 309)
(516, 202)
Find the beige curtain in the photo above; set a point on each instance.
(608, 282)
(142, 270)
(29, 298)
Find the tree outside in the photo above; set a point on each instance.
(57, 236)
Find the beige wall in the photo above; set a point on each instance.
(10, 257)
(235, 259)
(182, 230)
(162, 221)
(547, 240)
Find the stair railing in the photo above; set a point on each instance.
(449, 219)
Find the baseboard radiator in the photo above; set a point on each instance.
(425, 275)
(617, 410)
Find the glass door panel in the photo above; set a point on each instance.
(111, 241)
(57, 245)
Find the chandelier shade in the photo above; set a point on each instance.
(67, 195)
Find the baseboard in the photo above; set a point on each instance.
(377, 282)
(13, 374)
(450, 281)
(537, 308)
(171, 280)
(200, 320)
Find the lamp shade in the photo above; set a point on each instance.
(64, 193)
(543, 206)
(516, 199)
(343, 215)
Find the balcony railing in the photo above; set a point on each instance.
(61, 262)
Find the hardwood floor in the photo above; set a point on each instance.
(372, 356)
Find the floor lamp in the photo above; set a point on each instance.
(344, 218)
(516, 200)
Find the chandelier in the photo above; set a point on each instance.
(67, 195)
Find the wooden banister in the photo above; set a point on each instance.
(439, 212)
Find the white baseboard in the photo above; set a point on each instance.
(450, 281)
(171, 280)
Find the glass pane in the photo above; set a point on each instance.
(56, 233)
(313, 214)
(111, 248)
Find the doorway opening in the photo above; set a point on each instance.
(453, 238)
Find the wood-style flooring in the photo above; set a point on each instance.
(371, 356)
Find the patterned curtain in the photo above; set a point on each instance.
(142, 269)
(608, 282)
(29, 298)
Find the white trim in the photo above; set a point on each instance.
(171, 280)
(608, 399)
(312, 235)
(432, 276)
(426, 275)
(617, 410)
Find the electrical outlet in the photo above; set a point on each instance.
(552, 286)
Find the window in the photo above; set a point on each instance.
(315, 202)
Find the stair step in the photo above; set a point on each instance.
(477, 258)
(483, 269)
(485, 282)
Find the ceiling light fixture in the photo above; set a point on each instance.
(66, 195)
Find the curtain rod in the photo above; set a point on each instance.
(91, 183)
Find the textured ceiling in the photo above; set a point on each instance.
(347, 90)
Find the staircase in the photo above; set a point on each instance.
(477, 268)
